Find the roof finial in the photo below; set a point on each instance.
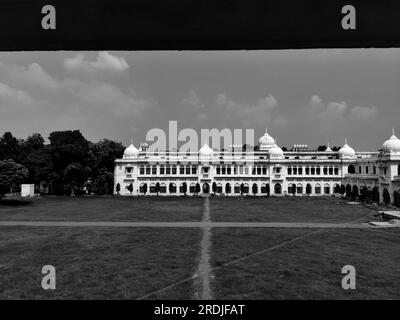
(392, 131)
(328, 144)
(131, 140)
(345, 140)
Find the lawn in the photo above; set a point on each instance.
(309, 268)
(97, 263)
(105, 209)
(287, 209)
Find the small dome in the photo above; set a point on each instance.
(392, 145)
(266, 140)
(275, 152)
(206, 150)
(328, 148)
(131, 152)
(346, 151)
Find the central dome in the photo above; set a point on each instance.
(206, 151)
(266, 141)
(391, 145)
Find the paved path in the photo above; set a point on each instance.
(190, 224)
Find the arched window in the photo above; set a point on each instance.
(308, 188)
(192, 188)
(237, 188)
(219, 188)
(277, 188)
(163, 188)
(317, 188)
(299, 189)
(227, 188)
(351, 169)
(327, 189)
(246, 188)
(152, 188)
(336, 188)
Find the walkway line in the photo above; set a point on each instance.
(188, 224)
(202, 283)
(173, 285)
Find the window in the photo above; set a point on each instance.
(173, 169)
(351, 169)
(299, 189)
(228, 170)
(237, 188)
(240, 172)
(327, 189)
(264, 170)
(312, 170)
(147, 169)
(318, 170)
(330, 170)
(128, 170)
(254, 170)
(278, 170)
(246, 170)
(295, 170)
(277, 188)
(289, 171)
(223, 170)
(374, 168)
(181, 170)
(336, 171)
(359, 169)
(300, 170)
(192, 188)
(187, 169)
(194, 170)
(235, 170)
(317, 188)
(218, 170)
(168, 170)
(162, 170)
(366, 169)
(154, 170)
(258, 170)
(307, 170)
(325, 170)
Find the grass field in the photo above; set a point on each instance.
(309, 268)
(97, 263)
(287, 209)
(106, 209)
(127, 263)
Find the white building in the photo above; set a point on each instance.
(270, 170)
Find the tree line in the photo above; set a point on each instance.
(68, 164)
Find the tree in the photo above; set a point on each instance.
(118, 188)
(363, 193)
(268, 190)
(171, 188)
(396, 198)
(254, 188)
(375, 194)
(197, 188)
(144, 189)
(214, 187)
(130, 188)
(354, 193)
(348, 191)
(241, 189)
(158, 188)
(386, 196)
(184, 188)
(284, 149)
(11, 174)
(293, 189)
(308, 189)
(228, 188)
(321, 148)
(10, 148)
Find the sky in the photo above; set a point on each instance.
(302, 96)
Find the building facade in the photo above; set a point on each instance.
(266, 171)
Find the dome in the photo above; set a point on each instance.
(266, 140)
(275, 151)
(205, 151)
(391, 145)
(131, 152)
(346, 151)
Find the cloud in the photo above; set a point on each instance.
(363, 113)
(192, 101)
(251, 114)
(104, 61)
(12, 97)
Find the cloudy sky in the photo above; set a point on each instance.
(302, 96)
